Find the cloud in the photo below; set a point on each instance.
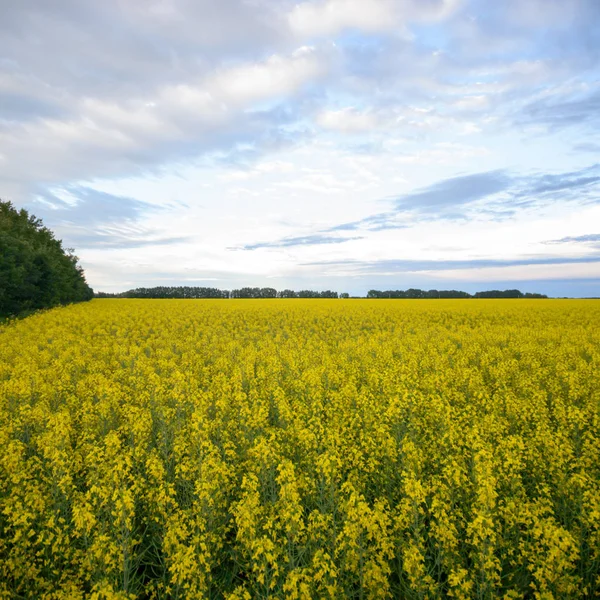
(112, 48)
(581, 108)
(306, 240)
(117, 89)
(400, 266)
(118, 238)
(494, 194)
(566, 270)
(89, 207)
(379, 222)
(562, 185)
(87, 218)
(485, 67)
(106, 138)
(273, 77)
(348, 120)
(25, 97)
(582, 239)
(439, 200)
(113, 89)
(456, 191)
(587, 147)
(330, 17)
(491, 195)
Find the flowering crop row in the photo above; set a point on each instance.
(301, 449)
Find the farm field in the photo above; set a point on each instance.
(301, 449)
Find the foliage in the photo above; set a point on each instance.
(422, 294)
(208, 449)
(507, 294)
(164, 291)
(205, 292)
(256, 292)
(35, 270)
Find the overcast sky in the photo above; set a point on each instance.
(329, 144)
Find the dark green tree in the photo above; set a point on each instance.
(35, 270)
(164, 291)
(500, 294)
(416, 293)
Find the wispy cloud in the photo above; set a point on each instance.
(419, 265)
(551, 184)
(90, 208)
(583, 109)
(587, 147)
(379, 222)
(494, 195)
(87, 218)
(590, 238)
(456, 191)
(305, 240)
(442, 199)
(121, 239)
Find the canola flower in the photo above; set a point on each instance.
(301, 449)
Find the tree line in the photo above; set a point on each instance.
(269, 292)
(35, 270)
(208, 292)
(249, 292)
(416, 294)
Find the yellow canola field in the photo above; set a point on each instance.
(301, 449)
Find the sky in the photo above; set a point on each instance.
(320, 144)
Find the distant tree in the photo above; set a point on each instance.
(203, 292)
(446, 294)
(268, 292)
(344, 295)
(500, 294)
(171, 292)
(308, 294)
(246, 292)
(415, 293)
(35, 270)
(411, 293)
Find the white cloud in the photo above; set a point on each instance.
(473, 103)
(329, 17)
(274, 77)
(442, 153)
(590, 270)
(332, 16)
(348, 120)
(103, 137)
